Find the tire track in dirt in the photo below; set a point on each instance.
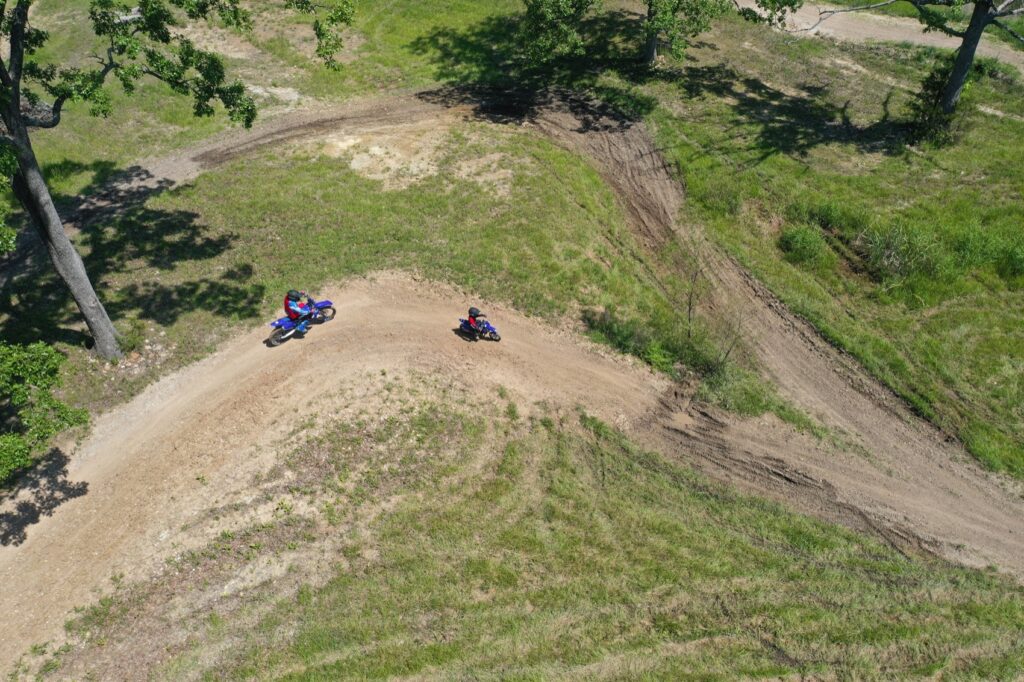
(913, 487)
(194, 440)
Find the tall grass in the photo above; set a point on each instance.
(575, 554)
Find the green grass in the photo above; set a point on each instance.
(473, 543)
(909, 258)
(573, 554)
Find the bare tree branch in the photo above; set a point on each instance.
(1011, 13)
(1009, 30)
(828, 13)
(918, 4)
(42, 115)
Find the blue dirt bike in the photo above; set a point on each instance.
(486, 330)
(285, 328)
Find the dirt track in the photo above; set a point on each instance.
(216, 418)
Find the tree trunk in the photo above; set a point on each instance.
(651, 47)
(30, 188)
(965, 56)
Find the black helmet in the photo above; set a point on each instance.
(474, 312)
(294, 295)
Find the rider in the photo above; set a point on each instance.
(298, 310)
(475, 319)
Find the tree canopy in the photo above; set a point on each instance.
(555, 24)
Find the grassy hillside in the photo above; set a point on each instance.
(496, 210)
(911, 258)
(494, 541)
(511, 540)
(576, 554)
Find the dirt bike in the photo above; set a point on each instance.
(285, 327)
(484, 330)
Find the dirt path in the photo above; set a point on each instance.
(212, 422)
(862, 27)
(905, 479)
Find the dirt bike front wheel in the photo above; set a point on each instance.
(276, 337)
(495, 336)
(326, 314)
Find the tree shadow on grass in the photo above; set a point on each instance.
(35, 494)
(128, 247)
(488, 61)
(791, 123)
(486, 65)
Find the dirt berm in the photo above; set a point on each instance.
(904, 479)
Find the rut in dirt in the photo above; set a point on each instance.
(906, 480)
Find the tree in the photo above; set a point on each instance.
(677, 21)
(554, 25)
(935, 16)
(139, 42)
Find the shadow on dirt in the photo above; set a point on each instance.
(118, 231)
(37, 493)
(468, 338)
(487, 63)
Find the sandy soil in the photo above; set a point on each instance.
(905, 481)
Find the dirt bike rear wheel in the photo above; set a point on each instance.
(276, 337)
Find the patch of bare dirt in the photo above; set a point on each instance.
(397, 155)
(226, 43)
(488, 171)
(992, 111)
